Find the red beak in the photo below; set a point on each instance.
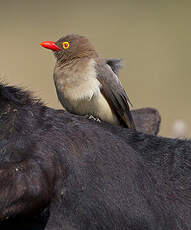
(50, 45)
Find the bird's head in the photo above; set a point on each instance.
(70, 47)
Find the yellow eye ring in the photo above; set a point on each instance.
(65, 45)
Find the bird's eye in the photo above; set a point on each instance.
(65, 45)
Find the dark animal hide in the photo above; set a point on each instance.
(61, 171)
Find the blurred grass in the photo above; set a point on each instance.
(152, 37)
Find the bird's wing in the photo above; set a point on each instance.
(114, 93)
(115, 64)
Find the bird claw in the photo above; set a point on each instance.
(94, 118)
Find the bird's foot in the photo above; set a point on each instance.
(94, 118)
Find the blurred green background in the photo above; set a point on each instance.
(152, 37)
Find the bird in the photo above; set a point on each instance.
(87, 84)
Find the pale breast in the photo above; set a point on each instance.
(79, 92)
(77, 83)
(103, 110)
(98, 107)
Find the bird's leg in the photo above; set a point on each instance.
(93, 118)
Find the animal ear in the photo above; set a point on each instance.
(115, 64)
(147, 120)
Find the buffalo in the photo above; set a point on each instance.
(63, 171)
